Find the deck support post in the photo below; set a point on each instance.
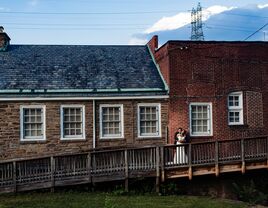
(267, 150)
(190, 170)
(126, 172)
(52, 166)
(162, 159)
(14, 175)
(157, 182)
(89, 168)
(243, 167)
(217, 169)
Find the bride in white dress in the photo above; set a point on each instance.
(180, 156)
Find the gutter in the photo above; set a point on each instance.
(158, 69)
(46, 91)
(94, 124)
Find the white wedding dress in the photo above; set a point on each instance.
(180, 156)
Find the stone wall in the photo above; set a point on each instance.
(12, 147)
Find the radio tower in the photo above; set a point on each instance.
(197, 25)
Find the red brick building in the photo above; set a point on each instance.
(218, 90)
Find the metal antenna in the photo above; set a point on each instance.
(197, 25)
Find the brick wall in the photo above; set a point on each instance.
(4, 41)
(208, 72)
(12, 147)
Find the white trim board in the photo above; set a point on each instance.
(122, 123)
(83, 98)
(159, 127)
(82, 137)
(43, 116)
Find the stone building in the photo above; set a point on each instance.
(68, 99)
(218, 90)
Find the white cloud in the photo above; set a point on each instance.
(137, 41)
(183, 18)
(262, 6)
(170, 23)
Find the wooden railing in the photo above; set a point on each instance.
(122, 164)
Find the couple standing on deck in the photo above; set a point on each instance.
(181, 137)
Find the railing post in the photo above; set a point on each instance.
(162, 159)
(157, 182)
(89, 167)
(267, 150)
(243, 167)
(126, 171)
(217, 169)
(14, 175)
(52, 165)
(190, 170)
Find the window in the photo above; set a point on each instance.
(235, 108)
(32, 122)
(201, 119)
(72, 122)
(111, 121)
(149, 124)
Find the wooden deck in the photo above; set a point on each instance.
(161, 162)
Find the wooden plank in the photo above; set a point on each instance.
(162, 159)
(14, 176)
(52, 166)
(157, 182)
(126, 171)
(217, 169)
(190, 171)
(89, 167)
(243, 167)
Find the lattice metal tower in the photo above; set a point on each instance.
(196, 22)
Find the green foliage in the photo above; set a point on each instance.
(169, 188)
(142, 186)
(109, 203)
(104, 200)
(250, 193)
(119, 191)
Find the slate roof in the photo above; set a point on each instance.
(122, 70)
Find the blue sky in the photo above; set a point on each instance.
(94, 22)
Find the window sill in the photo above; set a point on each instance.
(201, 136)
(111, 139)
(150, 138)
(73, 140)
(33, 141)
(237, 125)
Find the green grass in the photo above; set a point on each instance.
(105, 200)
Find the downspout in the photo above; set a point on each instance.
(94, 125)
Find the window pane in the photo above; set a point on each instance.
(72, 122)
(32, 123)
(200, 119)
(111, 121)
(148, 120)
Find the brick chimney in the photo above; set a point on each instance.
(4, 40)
(153, 43)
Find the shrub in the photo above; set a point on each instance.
(249, 193)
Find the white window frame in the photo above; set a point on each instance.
(236, 109)
(112, 136)
(210, 121)
(43, 117)
(157, 135)
(72, 137)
